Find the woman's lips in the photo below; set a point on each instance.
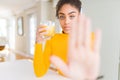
(67, 28)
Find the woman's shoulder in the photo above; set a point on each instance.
(59, 35)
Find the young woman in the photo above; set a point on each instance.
(73, 52)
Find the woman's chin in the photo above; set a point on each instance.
(66, 32)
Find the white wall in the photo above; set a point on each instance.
(47, 11)
(44, 11)
(105, 14)
(22, 42)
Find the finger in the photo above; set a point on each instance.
(72, 40)
(40, 30)
(87, 33)
(97, 41)
(80, 31)
(39, 35)
(42, 34)
(59, 64)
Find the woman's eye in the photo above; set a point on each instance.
(71, 17)
(61, 17)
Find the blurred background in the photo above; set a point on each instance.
(20, 18)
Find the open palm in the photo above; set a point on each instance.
(83, 57)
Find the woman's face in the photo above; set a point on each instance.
(68, 16)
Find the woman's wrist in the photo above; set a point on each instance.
(39, 41)
(97, 78)
(91, 78)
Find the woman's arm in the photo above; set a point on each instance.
(39, 66)
(41, 60)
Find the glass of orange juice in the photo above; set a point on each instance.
(50, 25)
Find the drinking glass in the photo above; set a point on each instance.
(50, 25)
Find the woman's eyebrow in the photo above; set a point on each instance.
(61, 13)
(71, 12)
(68, 13)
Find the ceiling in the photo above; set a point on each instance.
(8, 7)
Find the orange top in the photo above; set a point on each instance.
(57, 45)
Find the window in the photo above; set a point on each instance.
(3, 31)
(3, 27)
(11, 32)
(32, 32)
(20, 26)
(3, 37)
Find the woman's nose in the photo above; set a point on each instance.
(67, 20)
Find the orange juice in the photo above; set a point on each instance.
(50, 31)
(50, 28)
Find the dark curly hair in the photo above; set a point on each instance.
(76, 3)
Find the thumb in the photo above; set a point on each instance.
(60, 64)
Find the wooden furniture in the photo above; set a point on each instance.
(2, 47)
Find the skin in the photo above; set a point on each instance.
(83, 61)
(68, 15)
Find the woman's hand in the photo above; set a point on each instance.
(41, 31)
(83, 59)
